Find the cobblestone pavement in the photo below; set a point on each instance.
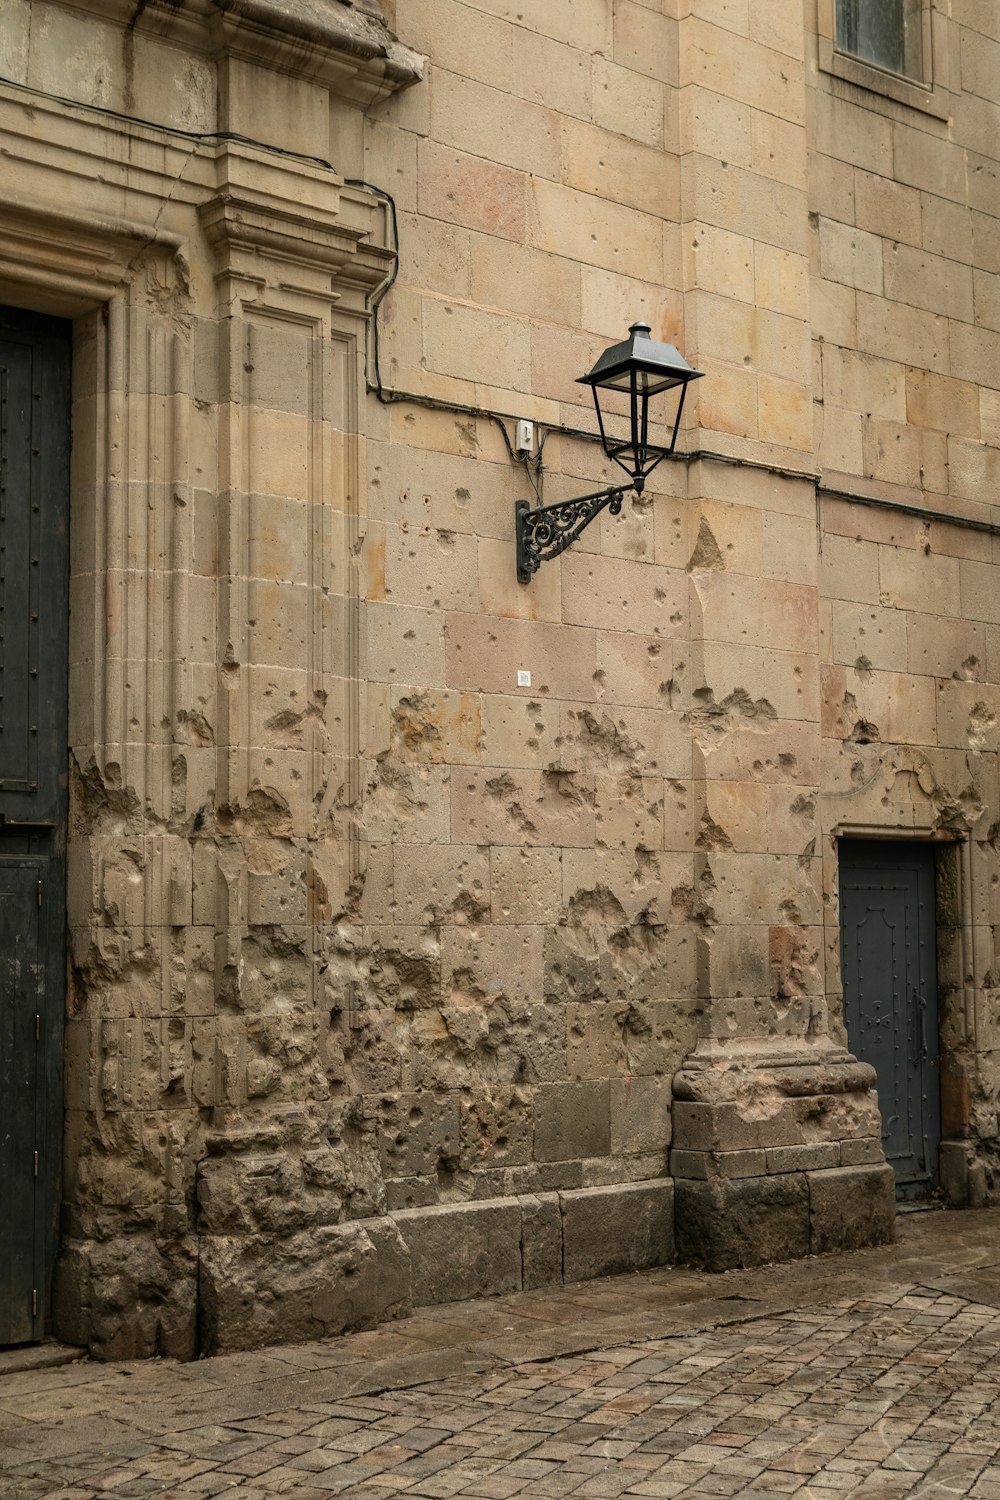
(873, 1375)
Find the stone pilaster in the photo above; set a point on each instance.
(773, 1121)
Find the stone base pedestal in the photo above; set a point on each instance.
(725, 1223)
(777, 1157)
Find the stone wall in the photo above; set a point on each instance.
(904, 235)
(392, 980)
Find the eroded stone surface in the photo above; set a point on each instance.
(361, 927)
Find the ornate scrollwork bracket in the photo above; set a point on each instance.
(543, 531)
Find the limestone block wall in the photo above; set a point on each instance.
(297, 760)
(634, 871)
(903, 233)
(528, 956)
(393, 978)
(216, 277)
(527, 970)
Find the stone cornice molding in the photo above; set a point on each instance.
(345, 45)
(316, 223)
(80, 257)
(329, 41)
(235, 221)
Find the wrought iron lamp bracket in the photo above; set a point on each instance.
(543, 531)
(639, 368)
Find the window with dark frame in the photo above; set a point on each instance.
(886, 33)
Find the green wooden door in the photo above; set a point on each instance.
(34, 515)
(889, 969)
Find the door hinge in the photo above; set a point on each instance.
(36, 1163)
(34, 1302)
(39, 893)
(38, 1027)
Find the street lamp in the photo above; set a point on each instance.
(639, 368)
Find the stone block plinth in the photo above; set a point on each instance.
(850, 1207)
(723, 1223)
(777, 1157)
(625, 1227)
(461, 1250)
(321, 1281)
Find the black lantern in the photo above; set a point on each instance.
(639, 368)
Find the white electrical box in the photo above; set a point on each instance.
(524, 436)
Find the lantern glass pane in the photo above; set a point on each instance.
(655, 383)
(650, 381)
(621, 381)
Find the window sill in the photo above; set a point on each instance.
(918, 95)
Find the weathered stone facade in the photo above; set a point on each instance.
(390, 980)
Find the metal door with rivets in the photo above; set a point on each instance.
(34, 567)
(889, 972)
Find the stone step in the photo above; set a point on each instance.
(45, 1356)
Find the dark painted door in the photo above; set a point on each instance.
(889, 969)
(34, 513)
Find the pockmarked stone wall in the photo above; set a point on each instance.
(392, 977)
(170, 189)
(904, 237)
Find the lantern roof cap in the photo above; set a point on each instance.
(640, 352)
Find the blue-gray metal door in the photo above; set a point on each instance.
(889, 971)
(34, 554)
